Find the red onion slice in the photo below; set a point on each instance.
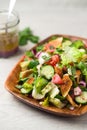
(34, 51)
(82, 83)
(38, 54)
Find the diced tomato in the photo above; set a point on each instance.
(57, 79)
(54, 60)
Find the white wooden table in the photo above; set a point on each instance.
(45, 17)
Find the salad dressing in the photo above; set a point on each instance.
(8, 34)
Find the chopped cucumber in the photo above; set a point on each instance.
(82, 99)
(47, 89)
(19, 86)
(37, 95)
(47, 71)
(27, 88)
(25, 91)
(56, 102)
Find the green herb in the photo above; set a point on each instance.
(33, 39)
(27, 35)
(83, 67)
(46, 58)
(60, 97)
(83, 88)
(66, 39)
(33, 63)
(21, 81)
(78, 44)
(59, 51)
(29, 54)
(39, 48)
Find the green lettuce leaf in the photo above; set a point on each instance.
(71, 54)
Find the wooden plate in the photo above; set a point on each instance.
(12, 80)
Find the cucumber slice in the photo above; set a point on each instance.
(82, 99)
(47, 71)
(27, 88)
(56, 102)
(25, 91)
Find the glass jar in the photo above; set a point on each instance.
(8, 33)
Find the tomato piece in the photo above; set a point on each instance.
(57, 79)
(54, 60)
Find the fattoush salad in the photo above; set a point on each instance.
(55, 73)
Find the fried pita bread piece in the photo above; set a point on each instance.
(57, 42)
(25, 73)
(58, 71)
(53, 44)
(78, 73)
(30, 80)
(66, 86)
(69, 98)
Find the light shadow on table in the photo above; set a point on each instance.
(71, 120)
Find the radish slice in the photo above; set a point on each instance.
(77, 91)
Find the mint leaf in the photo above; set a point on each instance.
(32, 64)
(27, 35)
(29, 54)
